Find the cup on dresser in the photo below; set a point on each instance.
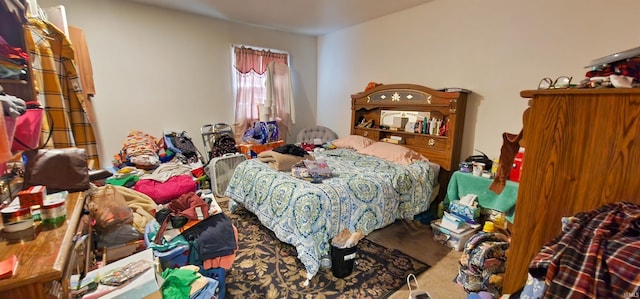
(478, 167)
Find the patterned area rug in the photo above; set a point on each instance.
(267, 268)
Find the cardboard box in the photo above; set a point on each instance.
(118, 252)
(252, 150)
(464, 211)
(32, 196)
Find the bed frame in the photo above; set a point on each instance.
(394, 100)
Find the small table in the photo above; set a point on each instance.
(252, 150)
(463, 183)
(44, 255)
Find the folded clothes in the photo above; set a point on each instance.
(281, 162)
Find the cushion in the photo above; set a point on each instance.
(392, 152)
(355, 142)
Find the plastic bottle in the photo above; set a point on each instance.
(499, 221)
(494, 167)
(440, 210)
(488, 227)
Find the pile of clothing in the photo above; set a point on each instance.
(597, 255)
(621, 74)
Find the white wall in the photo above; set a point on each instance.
(158, 69)
(496, 48)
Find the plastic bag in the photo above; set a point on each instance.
(121, 234)
(109, 209)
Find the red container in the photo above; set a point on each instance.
(514, 175)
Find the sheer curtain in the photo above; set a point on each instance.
(250, 67)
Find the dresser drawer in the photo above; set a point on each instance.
(431, 142)
(373, 134)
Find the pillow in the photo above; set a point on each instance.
(392, 152)
(355, 142)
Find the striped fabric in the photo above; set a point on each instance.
(597, 256)
(59, 90)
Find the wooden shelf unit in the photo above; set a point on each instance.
(451, 106)
(13, 31)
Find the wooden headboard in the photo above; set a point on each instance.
(442, 148)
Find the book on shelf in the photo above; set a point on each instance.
(8, 267)
(394, 141)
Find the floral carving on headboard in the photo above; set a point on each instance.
(400, 95)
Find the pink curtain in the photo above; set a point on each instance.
(250, 71)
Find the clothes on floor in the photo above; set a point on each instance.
(214, 237)
(177, 282)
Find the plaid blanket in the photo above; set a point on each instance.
(596, 256)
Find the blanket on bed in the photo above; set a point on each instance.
(363, 193)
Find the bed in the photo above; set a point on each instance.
(364, 192)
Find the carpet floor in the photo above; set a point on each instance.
(410, 237)
(267, 268)
(416, 239)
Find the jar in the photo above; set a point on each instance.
(15, 214)
(54, 211)
(35, 212)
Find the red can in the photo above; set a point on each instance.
(514, 175)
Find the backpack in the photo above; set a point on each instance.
(483, 263)
(225, 144)
(182, 145)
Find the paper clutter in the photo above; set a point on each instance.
(469, 200)
(347, 239)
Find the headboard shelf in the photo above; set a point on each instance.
(448, 106)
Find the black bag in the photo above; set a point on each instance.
(488, 163)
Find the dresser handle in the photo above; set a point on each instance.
(365, 134)
(431, 142)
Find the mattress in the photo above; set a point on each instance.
(436, 171)
(364, 193)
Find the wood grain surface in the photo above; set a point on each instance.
(581, 153)
(42, 251)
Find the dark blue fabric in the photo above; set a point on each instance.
(212, 237)
(218, 274)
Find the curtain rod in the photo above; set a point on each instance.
(261, 48)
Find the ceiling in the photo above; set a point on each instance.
(310, 17)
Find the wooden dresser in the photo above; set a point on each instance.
(582, 151)
(44, 255)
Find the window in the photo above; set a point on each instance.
(251, 79)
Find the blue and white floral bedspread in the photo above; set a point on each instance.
(364, 193)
